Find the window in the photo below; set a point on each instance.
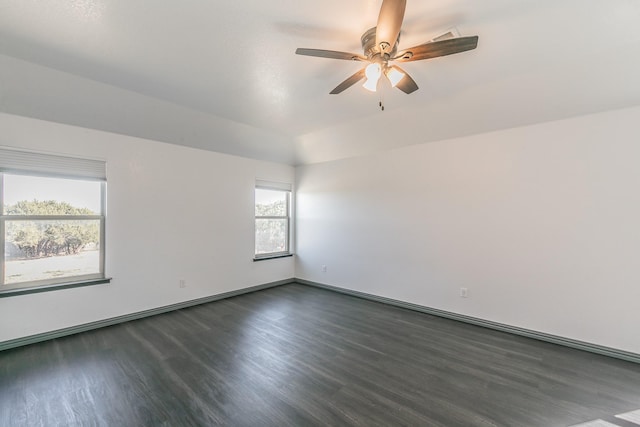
(52, 223)
(272, 209)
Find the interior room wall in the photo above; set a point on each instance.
(172, 213)
(539, 223)
(47, 94)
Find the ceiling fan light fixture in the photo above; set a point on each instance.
(394, 75)
(373, 73)
(370, 85)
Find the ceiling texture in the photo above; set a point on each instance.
(223, 76)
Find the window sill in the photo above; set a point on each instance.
(47, 288)
(264, 258)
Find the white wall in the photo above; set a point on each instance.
(173, 213)
(47, 94)
(540, 223)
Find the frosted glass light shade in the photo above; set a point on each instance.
(373, 73)
(371, 85)
(394, 75)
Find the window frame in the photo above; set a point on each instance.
(44, 165)
(287, 190)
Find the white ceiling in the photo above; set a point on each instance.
(223, 75)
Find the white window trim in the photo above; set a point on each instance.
(277, 186)
(28, 163)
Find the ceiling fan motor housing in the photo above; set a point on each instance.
(370, 49)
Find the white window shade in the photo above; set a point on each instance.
(270, 185)
(16, 161)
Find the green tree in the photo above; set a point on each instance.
(50, 237)
(277, 208)
(271, 235)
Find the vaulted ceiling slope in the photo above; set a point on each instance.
(223, 76)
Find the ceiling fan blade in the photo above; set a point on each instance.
(349, 82)
(389, 23)
(331, 54)
(407, 84)
(439, 48)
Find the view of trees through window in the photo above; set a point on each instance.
(36, 239)
(272, 221)
(52, 228)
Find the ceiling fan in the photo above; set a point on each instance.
(380, 46)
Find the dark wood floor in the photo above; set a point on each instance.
(296, 355)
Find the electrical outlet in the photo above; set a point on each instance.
(182, 283)
(464, 292)
(324, 268)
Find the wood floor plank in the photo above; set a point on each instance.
(296, 356)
